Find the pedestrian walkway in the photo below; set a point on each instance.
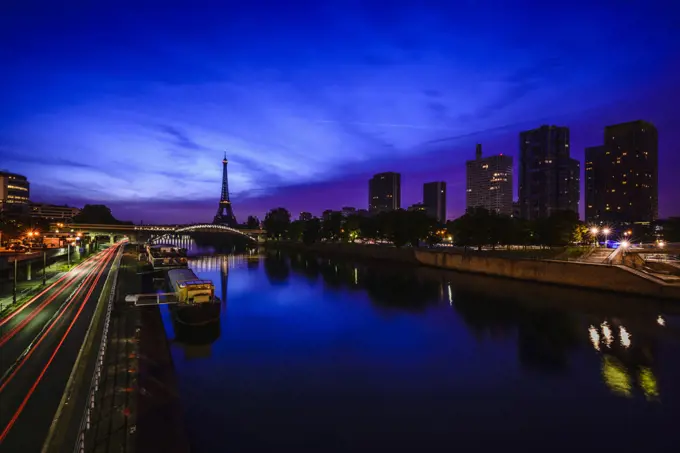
(597, 256)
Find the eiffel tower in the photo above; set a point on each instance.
(225, 214)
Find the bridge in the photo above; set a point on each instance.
(135, 231)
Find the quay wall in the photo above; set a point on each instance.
(567, 273)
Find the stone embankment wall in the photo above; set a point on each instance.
(584, 275)
(569, 273)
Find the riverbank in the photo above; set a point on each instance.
(137, 407)
(618, 279)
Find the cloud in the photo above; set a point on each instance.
(345, 90)
(180, 139)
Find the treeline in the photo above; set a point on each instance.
(476, 228)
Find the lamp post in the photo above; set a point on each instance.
(14, 281)
(68, 254)
(44, 266)
(594, 231)
(606, 232)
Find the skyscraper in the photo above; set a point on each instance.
(625, 175)
(434, 198)
(548, 176)
(594, 183)
(384, 192)
(489, 183)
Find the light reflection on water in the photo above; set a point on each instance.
(332, 355)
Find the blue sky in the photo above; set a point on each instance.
(133, 104)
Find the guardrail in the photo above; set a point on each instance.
(96, 375)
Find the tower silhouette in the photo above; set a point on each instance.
(225, 214)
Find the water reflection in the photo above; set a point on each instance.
(276, 268)
(336, 346)
(389, 288)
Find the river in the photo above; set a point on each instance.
(319, 355)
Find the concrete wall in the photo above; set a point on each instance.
(584, 275)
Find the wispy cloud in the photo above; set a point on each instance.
(342, 90)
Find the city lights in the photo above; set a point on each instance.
(625, 244)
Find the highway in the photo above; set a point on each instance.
(39, 343)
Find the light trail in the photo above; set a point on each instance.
(49, 362)
(5, 338)
(34, 345)
(7, 318)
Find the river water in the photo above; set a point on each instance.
(319, 355)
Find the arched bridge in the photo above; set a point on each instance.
(134, 231)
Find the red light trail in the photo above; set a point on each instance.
(90, 282)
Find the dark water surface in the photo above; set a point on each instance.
(317, 355)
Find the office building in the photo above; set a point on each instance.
(434, 198)
(548, 177)
(14, 191)
(52, 212)
(384, 192)
(515, 210)
(489, 183)
(594, 183)
(625, 175)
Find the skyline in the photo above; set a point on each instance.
(307, 117)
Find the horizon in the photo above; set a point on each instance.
(138, 115)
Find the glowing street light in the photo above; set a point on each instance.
(625, 244)
(661, 244)
(594, 231)
(606, 232)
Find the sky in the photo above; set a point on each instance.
(134, 104)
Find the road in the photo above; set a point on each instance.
(39, 344)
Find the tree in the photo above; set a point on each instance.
(331, 228)
(351, 227)
(296, 230)
(581, 234)
(97, 213)
(368, 227)
(276, 222)
(558, 229)
(253, 223)
(312, 231)
(474, 228)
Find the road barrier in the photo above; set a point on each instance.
(85, 423)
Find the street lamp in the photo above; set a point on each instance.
(606, 232)
(625, 244)
(594, 231)
(661, 244)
